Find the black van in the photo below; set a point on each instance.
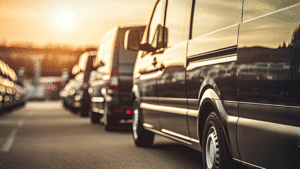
(111, 83)
(222, 77)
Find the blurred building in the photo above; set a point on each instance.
(44, 67)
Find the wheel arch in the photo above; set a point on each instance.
(209, 102)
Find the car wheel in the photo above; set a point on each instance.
(95, 118)
(215, 152)
(84, 110)
(110, 122)
(141, 137)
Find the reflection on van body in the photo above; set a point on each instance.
(269, 94)
(232, 80)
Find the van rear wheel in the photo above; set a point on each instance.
(110, 122)
(95, 118)
(215, 152)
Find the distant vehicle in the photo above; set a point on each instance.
(75, 93)
(111, 83)
(222, 77)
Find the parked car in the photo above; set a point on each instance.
(12, 93)
(111, 83)
(239, 101)
(75, 94)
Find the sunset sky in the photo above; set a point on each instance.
(71, 22)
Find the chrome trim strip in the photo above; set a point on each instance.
(248, 164)
(176, 110)
(168, 109)
(171, 99)
(180, 136)
(169, 136)
(163, 98)
(200, 63)
(147, 125)
(275, 105)
(97, 99)
(175, 134)
(193, 113)
(193, 100)
(231, 50)
(194, 140)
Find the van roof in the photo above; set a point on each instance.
(131, 25)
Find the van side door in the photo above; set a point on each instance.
(148, 70)
(171, 82)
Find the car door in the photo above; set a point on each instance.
(172, 61)
(148, 70)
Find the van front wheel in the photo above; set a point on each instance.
(215, 152)
(141, 137)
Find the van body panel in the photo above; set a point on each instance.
(172, 89)
(268, 80)
(147, 83)
(211, 64)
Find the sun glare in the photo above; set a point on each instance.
(65, 19)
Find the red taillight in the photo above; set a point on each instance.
(128, 111)
(114, 80)
(117, 44)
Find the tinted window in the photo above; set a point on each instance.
(212, 15)
(155, 22)
(255, 8)
(177, 21)
(105, 50)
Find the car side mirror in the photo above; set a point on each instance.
(132, 40)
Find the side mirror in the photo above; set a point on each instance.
(101, 63)
(132, 40)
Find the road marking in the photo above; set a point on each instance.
(9, 141)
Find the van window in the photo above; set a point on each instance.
(105, 50)
(155, 22)
(256, 8)
(177, 21)
(212, 15)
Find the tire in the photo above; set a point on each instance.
(110, 122)
(141, 137)
(84, 110)
(215, 152)
(85, 105)
(95, 118)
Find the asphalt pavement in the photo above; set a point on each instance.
(44, 135)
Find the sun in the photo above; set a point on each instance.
(64, 19)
